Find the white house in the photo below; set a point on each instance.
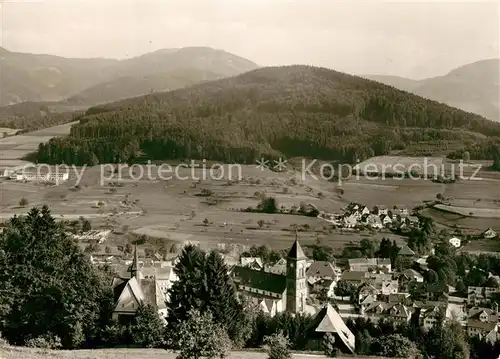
(365, 210)
(278, 268)
(401, 210)
(253, 262)
(386, 220)
(382, 210)
(350, 221)
(374, 221)
(455, 242)
(93, 235)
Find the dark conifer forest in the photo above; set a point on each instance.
(273, 112)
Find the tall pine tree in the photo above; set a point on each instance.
(205, 285)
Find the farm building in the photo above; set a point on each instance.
(97, 236)
(365, 264)
(43, 177)
(10, 172)
(489, 234)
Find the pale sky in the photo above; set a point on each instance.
(414, 39)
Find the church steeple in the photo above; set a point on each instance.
(296, 287)
(296, 251)
(134, 267)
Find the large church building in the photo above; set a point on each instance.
(275, 293)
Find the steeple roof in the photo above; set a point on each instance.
(296, 251)
(134, 267)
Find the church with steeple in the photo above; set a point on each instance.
(275, 293)
(134, 288)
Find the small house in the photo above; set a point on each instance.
(386, 219)
(455, 242)
(489, 234)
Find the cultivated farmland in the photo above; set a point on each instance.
(400, 165)
(196, 205)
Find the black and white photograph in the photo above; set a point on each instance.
(249, 179)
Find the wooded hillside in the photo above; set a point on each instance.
(271, 112)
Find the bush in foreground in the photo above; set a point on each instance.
(277, 346)
(200, 337)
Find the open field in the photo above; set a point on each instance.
(400, 164)
(14, 148)
(174, 210)
(470, 211)
(8, 131)
(468, 225)
(391, 192)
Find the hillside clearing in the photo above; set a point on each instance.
(470, 212)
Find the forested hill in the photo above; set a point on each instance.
(275, 111)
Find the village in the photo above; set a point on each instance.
(337, 290)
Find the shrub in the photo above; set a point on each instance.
(44, 342)
(23, 202)
(277, 346)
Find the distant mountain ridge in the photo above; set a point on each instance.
(473, 87)
(39, 78)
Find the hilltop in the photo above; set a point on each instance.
(275, 111)
(163, 70)
(40, 78)
(473, 87)
(132, 86)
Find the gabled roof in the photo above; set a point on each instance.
(475, 312)
(248, 261)
(321, 269)
(258, 279)
(406, 251)
(296, 251)
(329, 321)
(143, 291)
(353, 275)
(412, 274)
(486, 326)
